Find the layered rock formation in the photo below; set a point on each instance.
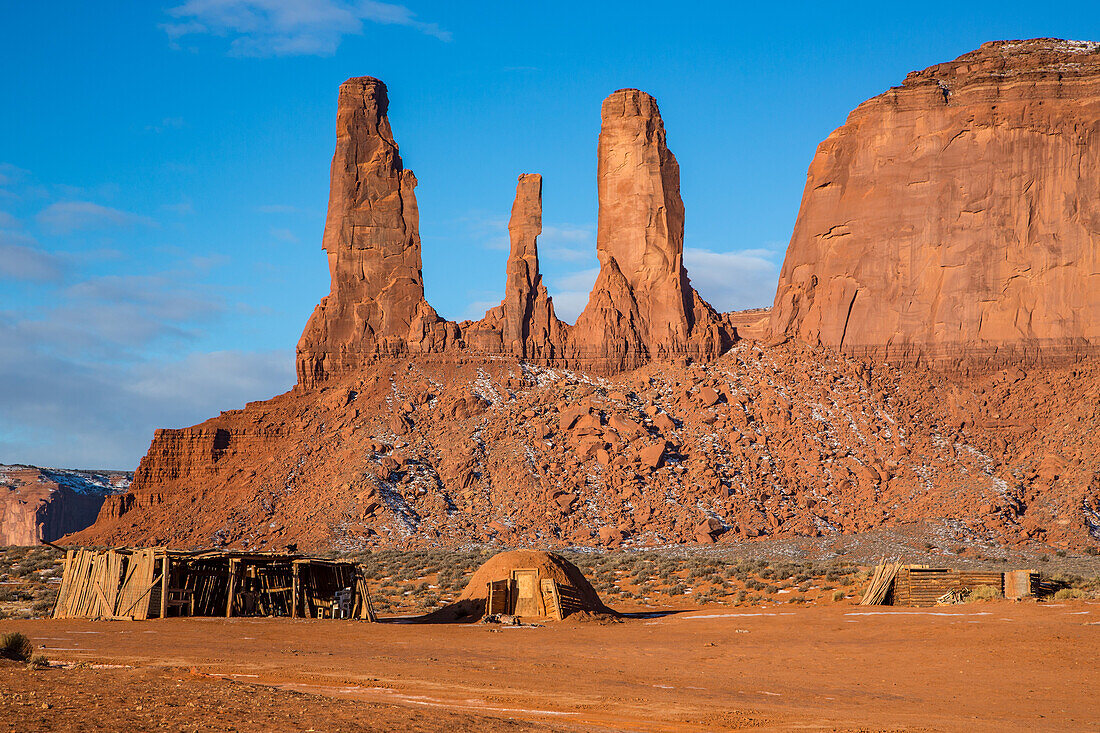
(642, 305)
(951, 219)
(956, 218)
(39, 504)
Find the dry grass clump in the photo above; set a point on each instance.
(16, 646)
(1069, 594)
(38, 661)
(982, 593)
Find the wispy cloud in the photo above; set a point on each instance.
(168, 123)
(20, 260)
(65, 217)
(475, 310)
(290, 27)
(734, 280)
(570, 293)
(284, 234)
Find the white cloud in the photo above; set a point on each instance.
(7, 221)
(568, 242)
(734, 280)
(570, 293)
(475, 311)
(290, 27)
(65, 217)
(56, 410)
(284, 234)
(27, 263)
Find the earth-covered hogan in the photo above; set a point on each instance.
(526, 584)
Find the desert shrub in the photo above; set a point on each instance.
(1069, 594)
(1060, 553)
(38, 661)
(17, 646)
(838, 596)
(42, 607)
(676, 590)
(740, 597)
(983, 593)
(1091, 550)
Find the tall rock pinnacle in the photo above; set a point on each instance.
(524, 324)
(643, 305)
(376, 306)
(530, 328)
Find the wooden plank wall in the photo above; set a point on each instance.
(500, 598)
(920, 587)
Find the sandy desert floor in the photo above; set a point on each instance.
(994, 666)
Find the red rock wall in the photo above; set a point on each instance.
(957, 218)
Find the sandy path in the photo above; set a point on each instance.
(994, 666)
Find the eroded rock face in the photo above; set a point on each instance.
(956, 218)
(524, 324)
(642, 305)
(39, 504)
(377, 306)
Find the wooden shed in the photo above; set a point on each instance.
(160, 583)
(922, 585)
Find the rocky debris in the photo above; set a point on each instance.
(953, 219)
(801, 442)
(642, 305)
(44, 504)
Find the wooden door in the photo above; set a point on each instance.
(528, 593)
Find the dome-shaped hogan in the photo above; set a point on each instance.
(524, 583)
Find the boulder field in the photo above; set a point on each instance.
(931, 353)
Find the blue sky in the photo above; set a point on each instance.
(164, 166)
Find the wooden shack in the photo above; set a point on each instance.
(922, 585)
(161, 583)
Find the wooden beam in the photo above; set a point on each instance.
(295, 588)
(165, 570)
(232, 587)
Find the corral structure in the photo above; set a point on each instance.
(893, 584)
(159, 583)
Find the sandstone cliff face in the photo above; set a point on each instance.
(642, 305)
(376, 307)
(39, 504)
(956, 218)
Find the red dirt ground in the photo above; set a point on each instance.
(996, 666)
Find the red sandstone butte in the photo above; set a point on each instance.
(956, 218)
